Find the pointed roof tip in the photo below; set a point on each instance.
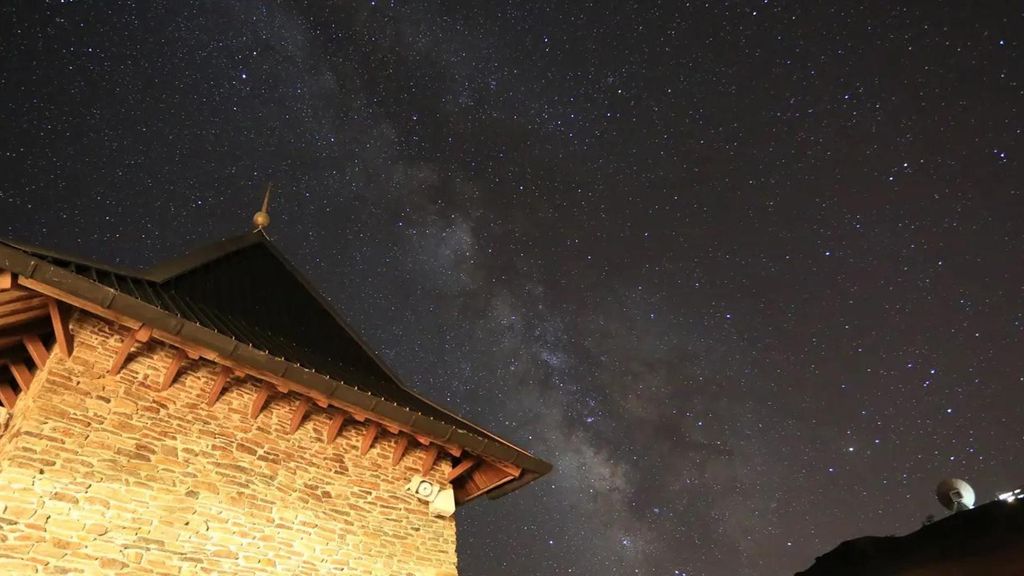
(262, 218)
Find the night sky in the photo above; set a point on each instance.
(749, 274)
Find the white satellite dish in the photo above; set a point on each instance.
(955, 495)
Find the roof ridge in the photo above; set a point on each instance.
(192, 259)
(79, 260)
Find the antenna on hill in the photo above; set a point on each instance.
(262, 218)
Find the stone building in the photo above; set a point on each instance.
(215, 415)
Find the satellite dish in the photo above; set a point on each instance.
(955, 495)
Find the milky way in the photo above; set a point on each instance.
(748, 273)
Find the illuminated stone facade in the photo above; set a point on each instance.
(104, 474)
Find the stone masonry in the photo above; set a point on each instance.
(105, 475)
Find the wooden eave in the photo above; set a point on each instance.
(501, 468)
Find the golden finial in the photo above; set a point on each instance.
(262, 218)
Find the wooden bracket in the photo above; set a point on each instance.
(218, 385)
(22, 375)
(300, 413)
(60, 328)
(368, 437)
(334, 427)
(40, 355)
(463, 467)
(429, 457)
(140, 335)
(403, 443)
(6, 280)
(172, 369)
(7, 396)
(260, 400)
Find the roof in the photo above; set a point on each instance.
(242, 298)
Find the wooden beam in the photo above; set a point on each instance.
(403, 443)
(7, 396)
(334, 427)
(22, 375)
(218, 385)
(22, 317)
(480, 480)
(172, 369)
(18, 294)
(78, 302)
(260, 400)
(40, 355)
(512, 469)
(368, 437)
(122, 353)
(463, 467)
(300, 413)
(60, 327)
(23, 305)
(6, 280)
(429, 457)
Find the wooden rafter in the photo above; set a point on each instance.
(429, 457)
(140, 335)
(261, 398)
(40, 355)
(22, 375)
(35, 302)
(400, 446)
(172, 369)
(6, 279)
(368, 437)
(22, 317)
(481, 479)
(60, 326)
(463, 467)
(218, 385)
(298, 415)
(512, 469)
(77, 302)
(7, 396)
(17, 294)
(334, 427)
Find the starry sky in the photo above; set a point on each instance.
(748, 273)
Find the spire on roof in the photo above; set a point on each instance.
(262, 218)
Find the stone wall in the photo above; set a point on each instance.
(105, 475)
